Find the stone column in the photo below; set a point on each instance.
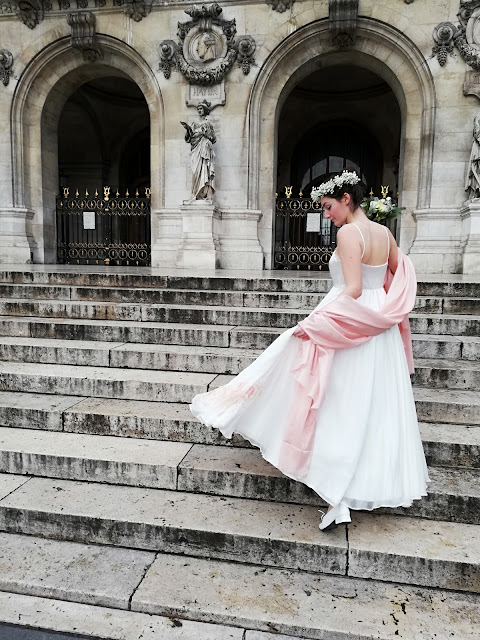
(470, 214)
(199, 246)
(16, 240)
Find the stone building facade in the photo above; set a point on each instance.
(94, 93)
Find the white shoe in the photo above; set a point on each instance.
(337, 515)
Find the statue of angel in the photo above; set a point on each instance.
(201, 137)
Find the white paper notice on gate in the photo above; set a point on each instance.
(313, 222)
(89, 219)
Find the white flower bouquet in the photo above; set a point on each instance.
(378, 209)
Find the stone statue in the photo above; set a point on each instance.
(201, 137)
(472, 183)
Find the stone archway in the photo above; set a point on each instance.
(383, 50)
(47, 83)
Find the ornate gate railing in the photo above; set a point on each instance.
(93, 229)
(303, 238)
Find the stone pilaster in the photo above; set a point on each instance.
(470, 214)
(16, 240)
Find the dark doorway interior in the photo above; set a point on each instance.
(104, 137)
(339, 117)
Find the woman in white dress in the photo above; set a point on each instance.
(366, 451)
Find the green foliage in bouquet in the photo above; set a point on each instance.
(378, 209)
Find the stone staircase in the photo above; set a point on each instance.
(115, 501)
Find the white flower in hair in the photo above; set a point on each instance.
(346, 177)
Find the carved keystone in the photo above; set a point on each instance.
(6, 62)
(343, 21)
(84, 37)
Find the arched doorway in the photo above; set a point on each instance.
(338, 117)
(47, 84)
(103, 207)
(379, 48)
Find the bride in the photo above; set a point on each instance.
(330, 402)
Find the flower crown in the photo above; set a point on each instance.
(347, 177)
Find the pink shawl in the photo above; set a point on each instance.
(341, 324)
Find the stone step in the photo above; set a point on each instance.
(244, 602)
(454, 494)
(447, 374)
(266, 281)
(248, 299)
(172, 386)
(380, 547)
(104, 382)
(447, 445)
(436, 323)
(71, 456)
(448, 406)
(128, 356)
(53, 619)
(428, 345)
(115, 331)
(226, 360)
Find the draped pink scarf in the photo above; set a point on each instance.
(341, 324)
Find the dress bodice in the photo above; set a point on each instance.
(372, 276)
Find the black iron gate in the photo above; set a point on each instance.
(303, 238)
(103, 229)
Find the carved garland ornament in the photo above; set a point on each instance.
(6, 63)
(465, 36)
(207, 48)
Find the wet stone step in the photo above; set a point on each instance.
(380, 547)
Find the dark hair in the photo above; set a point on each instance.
(356, 191)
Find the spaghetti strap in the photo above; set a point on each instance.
(388, 242)
(360, 231)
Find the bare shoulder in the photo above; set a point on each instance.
(393, 242)
(347, 234)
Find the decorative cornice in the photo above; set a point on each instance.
(6, 62)
(84, 37)
(342, 15)
(220, 50)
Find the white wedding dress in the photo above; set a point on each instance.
(368, 451)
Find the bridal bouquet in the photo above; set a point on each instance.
(378, 209)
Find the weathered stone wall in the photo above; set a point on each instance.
(394, 39)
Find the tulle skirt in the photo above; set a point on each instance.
(368, 451)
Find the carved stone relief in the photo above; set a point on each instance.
(207, 48)
(6, 62)
(84, 37)
(281, 5)
(138, 9)
(465, 36)
(30, 12)
(342, 15)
